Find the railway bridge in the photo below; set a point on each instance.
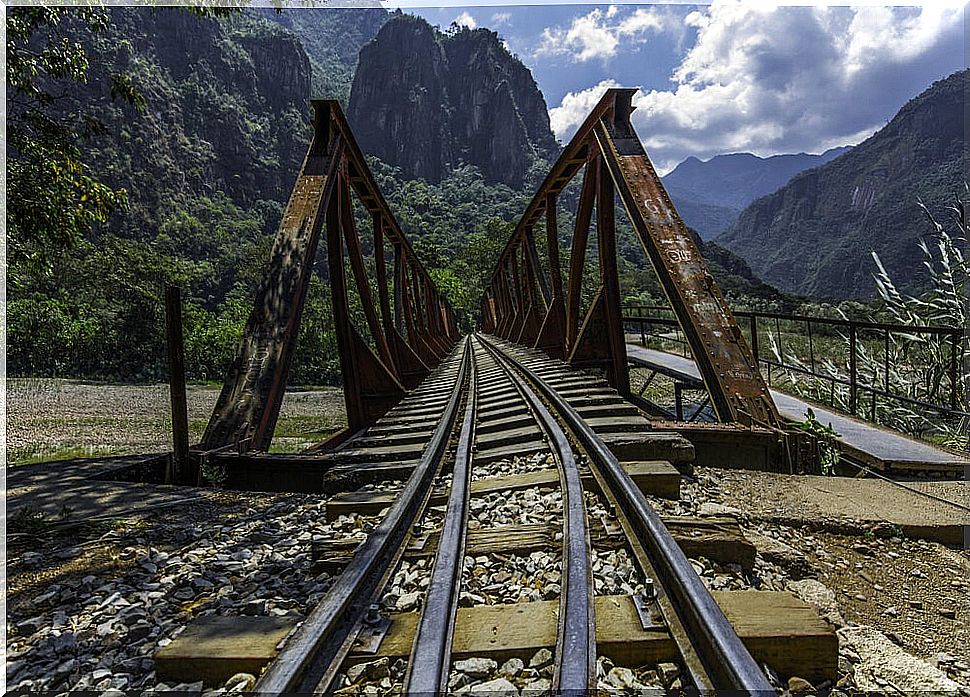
(509, 495)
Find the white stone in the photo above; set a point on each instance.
(881, 660)
(820, 596)
(497, 687)
(511, 667)
(476, 667)
(408, 601)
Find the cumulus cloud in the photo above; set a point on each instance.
(786, 79)
(501, 18)
(465, 20)
(567, 117)
(599, 34)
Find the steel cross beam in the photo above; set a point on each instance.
(614, 164)
(333, 171)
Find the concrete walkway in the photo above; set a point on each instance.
(85, 488)
(860, 440)
(854, 503)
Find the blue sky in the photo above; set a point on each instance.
(732, 76)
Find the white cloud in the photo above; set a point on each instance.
(598, 34)
(785, 79)
(567, 117)
(501, 18)
(465, 20)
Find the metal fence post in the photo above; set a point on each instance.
(852, 369)
(954, 375)
(886, 357)
(179, 470)
(754, 340)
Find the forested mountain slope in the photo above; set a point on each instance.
(815, 235)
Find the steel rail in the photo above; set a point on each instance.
(311, 656)
(576, 641)
(430, 660)
(725, 658)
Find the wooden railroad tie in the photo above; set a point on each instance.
(777, 628)
(718, 538)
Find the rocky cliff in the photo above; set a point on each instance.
(427, 101)
(814, 235)
(332, 38)
(227, 107)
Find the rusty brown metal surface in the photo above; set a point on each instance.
(613, 161)
(249, 403)
(374, 378)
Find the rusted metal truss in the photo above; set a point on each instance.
(405, 344)
(526, 304)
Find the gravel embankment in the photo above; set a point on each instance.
(100, 630)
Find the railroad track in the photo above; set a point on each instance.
(487, 405)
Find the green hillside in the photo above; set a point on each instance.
(815, 235)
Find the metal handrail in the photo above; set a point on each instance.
(952, 334)
(858, 324)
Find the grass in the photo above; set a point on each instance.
(56, 420)
(39, 452)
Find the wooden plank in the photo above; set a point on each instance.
(402, 437)
(671, 447)
(777, 628)
(386, 428)
(719, 539)
(384, 453)
(414, 411)
(498, 397)
(581, 391)
(657, 478)
(501, 412)
(486, 456)
(213, 648)
(347, 477)
(598, 410)
(509, 422)
(616, 423)
(526, 434)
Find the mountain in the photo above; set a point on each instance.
(710, 194)
(427, 102)
(815, 234)
(206, 163)
(226, 110)
(332, 38)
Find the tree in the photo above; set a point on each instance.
(53, 198)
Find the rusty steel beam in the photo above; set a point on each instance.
(737, 390)
(248, 407)
(613, 161)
